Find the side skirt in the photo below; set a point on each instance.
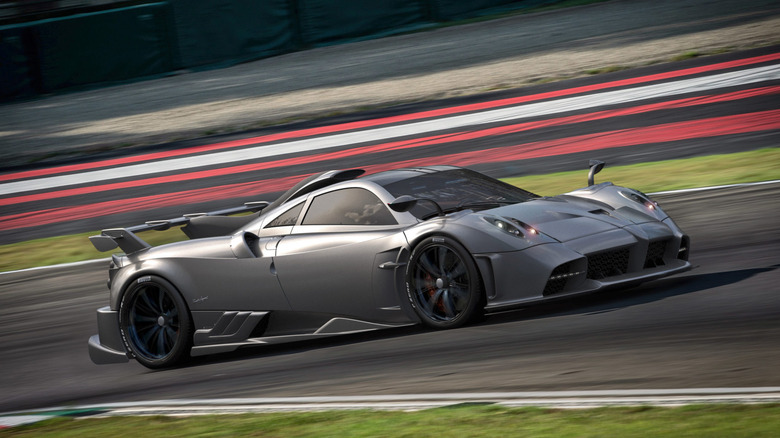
(222, 338)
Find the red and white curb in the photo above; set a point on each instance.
(410, 402)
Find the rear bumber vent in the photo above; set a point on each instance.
(607, 264)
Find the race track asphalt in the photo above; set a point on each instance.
(715, 326)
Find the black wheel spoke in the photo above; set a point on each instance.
(170, 334)
(429, 266)
(145, 319)
(447, 304)
(147, 334)
(459, 291)
(145, 305)
(432, 301)
(161, 350)
(441, 257)
(457, 270)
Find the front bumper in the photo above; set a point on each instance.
(107, 347)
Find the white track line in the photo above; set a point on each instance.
(727, 186)
(722, 80)
(61, 265)
(562, 399)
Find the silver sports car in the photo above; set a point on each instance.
(342, 253)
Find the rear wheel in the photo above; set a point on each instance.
(155, 323)
(443, 284)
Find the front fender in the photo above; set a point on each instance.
(629, 203)
(476, 233)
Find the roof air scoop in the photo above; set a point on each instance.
(595, 167)
(314, 182)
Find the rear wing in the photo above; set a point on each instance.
(196, 225)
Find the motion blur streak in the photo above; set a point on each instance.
(393, 119)
(640, 115)
(439, 139)
(122, 205)
(713, 127)
(354, 138)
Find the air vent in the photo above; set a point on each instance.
(655, 254)
(558, 279)
(607, 264)
(684, 250)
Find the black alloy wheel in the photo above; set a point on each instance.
(443, 284)
(155, 323)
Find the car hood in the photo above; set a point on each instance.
(563, 220)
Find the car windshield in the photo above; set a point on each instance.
(457, 189)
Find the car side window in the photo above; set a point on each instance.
(288, 218)
(352, 206)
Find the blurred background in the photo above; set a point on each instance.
(54, 45)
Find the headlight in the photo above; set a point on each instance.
(640, 198)
(504, 226)
(528, 229)
(513, 226)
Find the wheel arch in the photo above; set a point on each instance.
(127, 277)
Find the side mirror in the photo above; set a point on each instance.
(403, 203)
(407, 202)
(595, 167)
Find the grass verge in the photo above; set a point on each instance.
(463, 421)
(751, 166)
(710, 170)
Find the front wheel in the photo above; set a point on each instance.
(443, 284)
(155, 323)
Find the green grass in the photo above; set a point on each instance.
(711, 170)
(67, 249)
(712, 421)
(751, 166)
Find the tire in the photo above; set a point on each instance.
(155, 323)
(443, 284)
